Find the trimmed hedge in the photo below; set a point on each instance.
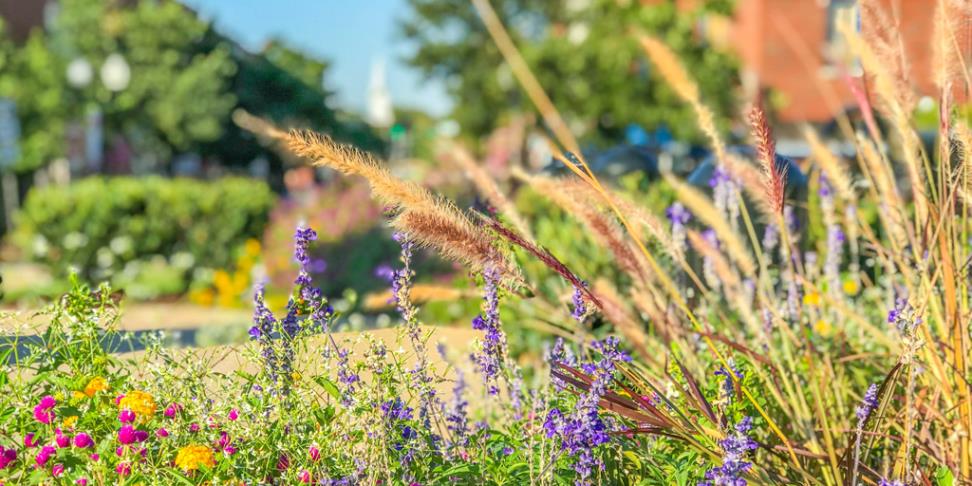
(99, 225)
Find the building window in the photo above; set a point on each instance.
(835, 49)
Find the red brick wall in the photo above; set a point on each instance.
(782, 45)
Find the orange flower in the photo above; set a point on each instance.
(97, 384)
(139, 402)
(191, 457)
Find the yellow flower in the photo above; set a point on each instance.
(77, 395)
(822, 327)
(252, 247)
(222, 280)
(97, 384)
(69, 421)
(295, 376)
(812, 298)
(202, 297)
(139, 402)
(850, 287)
(191, 457)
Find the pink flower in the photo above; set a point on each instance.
(224, 444)
(129, 435)
(233, 415)
(95, 457)
(126, 416)
(315, 453)
(61, 439)
(120, 451)
(193, 427)
(81, 482)
(123, 469)
(118, 399)
(6, 457)
(83, 441)
(171, 410)
(47, 403)
(45, 453)
(283, 463)
(29, 440)
(57, 470)
(305, 476)
(43, 412)
(162, 432)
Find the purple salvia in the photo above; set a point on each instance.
(489, 360)
(734, 448)
(582, 430)
(708, 267)
(262, 331)
(679, 217)
(724, 194)
(456, 414)
(728, 386)
(580, 305)
(867, 406)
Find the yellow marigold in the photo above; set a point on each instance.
(69, 421)
(191, 457)
(812, 298)
(850, 287)
(139, 402)
(77, 395)
(97, 384)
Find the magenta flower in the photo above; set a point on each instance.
(81, 482)
(193, 427)
(29, 441)
(118, 399)
(123, 469)
(120, 451)
(315, 453)
(43, 412)
(6, 457)
(304, 476)
(171, 410)
(57, 470)
(283, 463)
(129, 435)
(233, 415)
(44, 455)
(95, 457)
(126, 416)
(83, 441)
(162, 432)
(61, 439)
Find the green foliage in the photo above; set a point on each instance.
(111, 227)
(592, 72)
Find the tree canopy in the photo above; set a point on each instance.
(583, 52)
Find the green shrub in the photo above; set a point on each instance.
(119, 228)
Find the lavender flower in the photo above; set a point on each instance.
(489, 361)
(888, 482)
(708, 267)
(734, 449)
(346, 376)
(724, 194)
(582, 430)
(679, 217)
(262, 331)
(456, 415)
(868, 404)
(580, 305)
(728, 387)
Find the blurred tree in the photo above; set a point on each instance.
(584, 54)
(32, 76)
(178, 93)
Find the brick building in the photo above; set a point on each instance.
(792, 47)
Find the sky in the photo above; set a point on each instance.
(351, 34)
